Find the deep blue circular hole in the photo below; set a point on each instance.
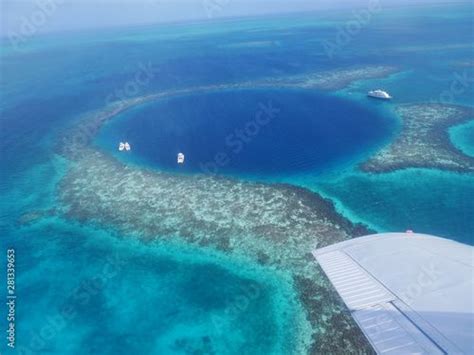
(247, 132)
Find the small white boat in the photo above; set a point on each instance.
(379, 94)
(180, 158)
(124, 146)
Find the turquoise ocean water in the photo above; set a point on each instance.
(171, 298)
(463, 137)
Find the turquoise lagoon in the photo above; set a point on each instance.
(462, 137)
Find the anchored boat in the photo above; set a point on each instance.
(379, 94)
(124, 146)
(180, 158)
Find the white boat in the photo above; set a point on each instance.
(180, 158)
(124, 146)
(379, 94)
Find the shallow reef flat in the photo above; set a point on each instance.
(423, 141)
(331, 79)
(203, 209)
(275, 225)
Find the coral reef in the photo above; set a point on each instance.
(424, 141)
(34, 216)
(331, 79)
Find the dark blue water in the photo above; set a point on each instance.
(261, 132)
